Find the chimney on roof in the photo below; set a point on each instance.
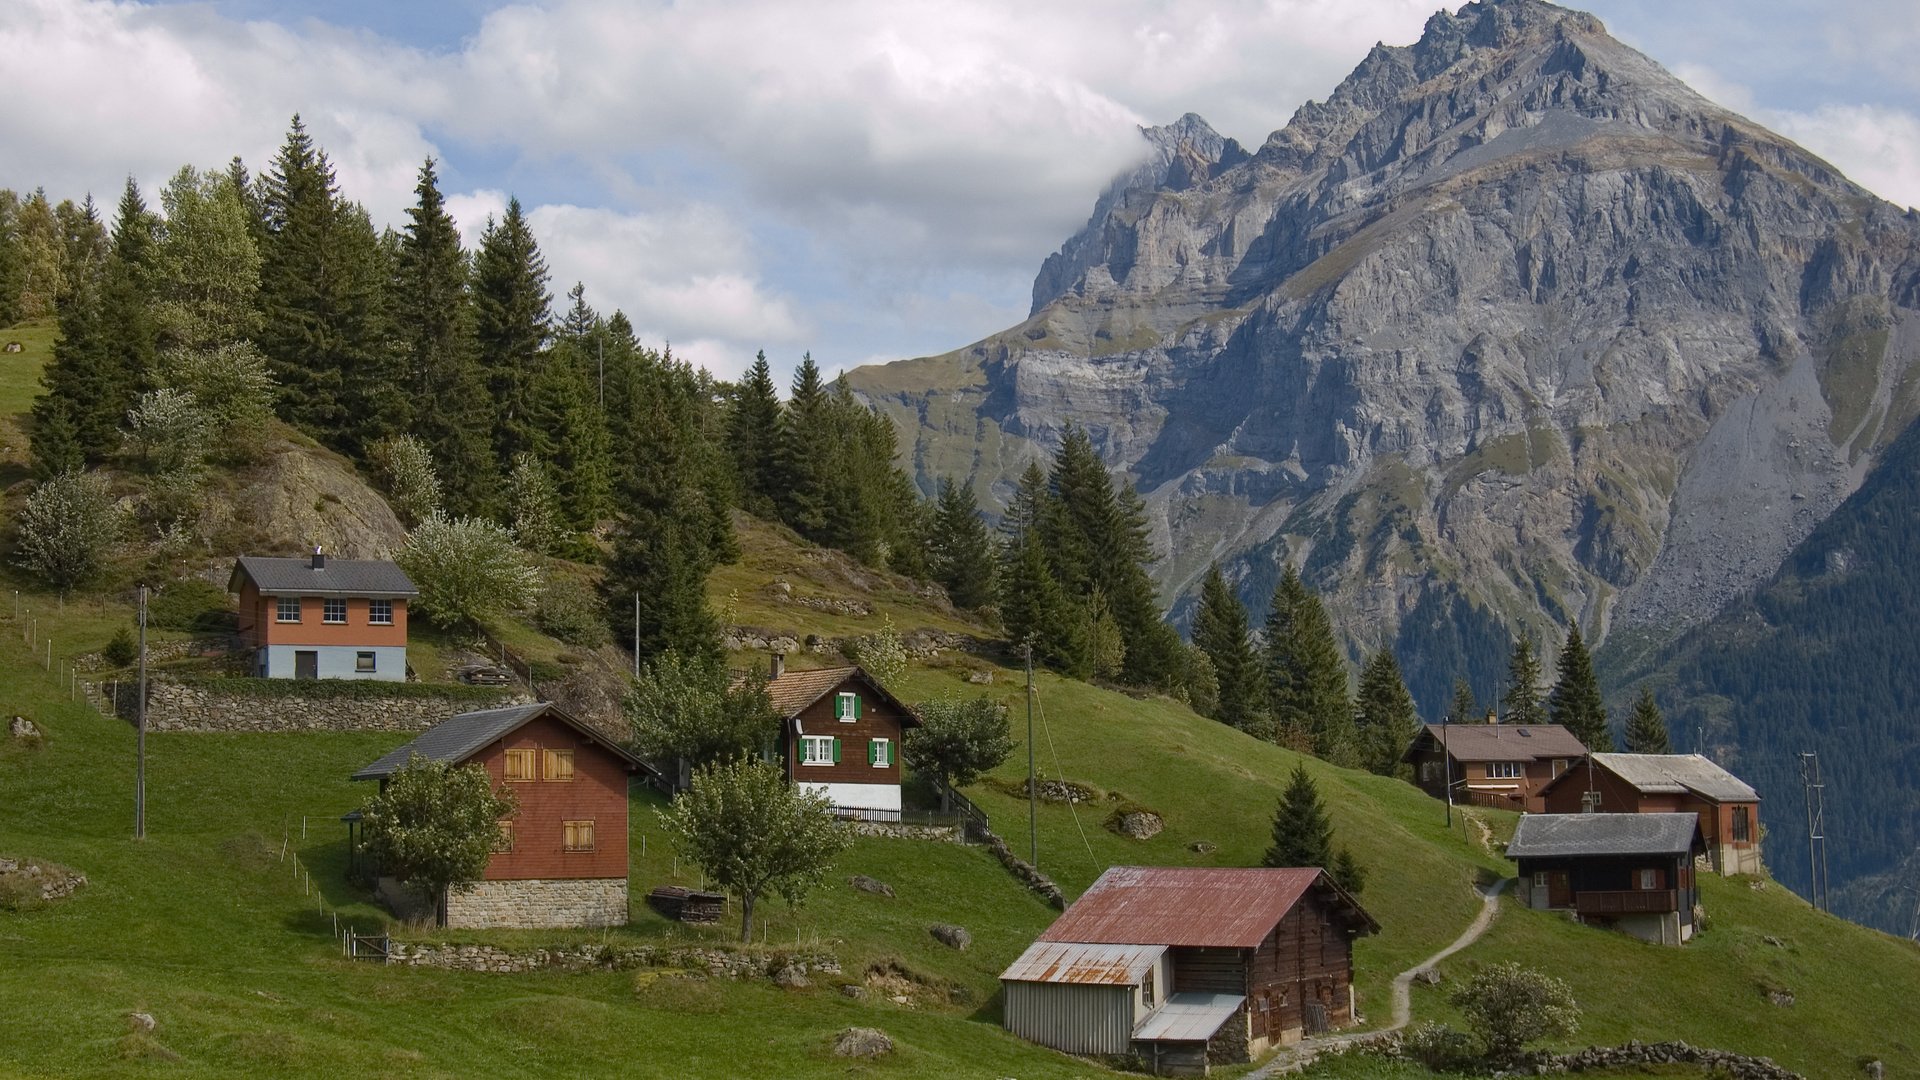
(319, 558)
(777, 665)
(1492, 717)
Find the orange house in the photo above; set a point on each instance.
(321, 618)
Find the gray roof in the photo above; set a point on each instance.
(1677, 774)
(1540, 835)
(377, 578)
(1189, 1016)
(1501, 742)
(458, 738)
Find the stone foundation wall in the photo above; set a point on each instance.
(719, 963)
(901, 831)
(176, 707)
(540, 905)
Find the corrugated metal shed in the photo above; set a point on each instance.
(1189, 1017)
(1076, 1018)
(1545, 835)
(1085, 964)
(1221, 907)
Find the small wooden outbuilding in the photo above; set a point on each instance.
(1190, 966)
(1632, 872)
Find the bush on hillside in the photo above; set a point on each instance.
(190, 605)
(121, 649)
(881, 654)
(405, 469)
(467, 570)
(1510, 1005)
(570, 611)
(1441, 1049)
(66, 529)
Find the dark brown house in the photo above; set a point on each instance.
(1491, 764)
(1728, 809)
(562, 857)
(841, 734)
(1632, 872)
(1190, 965)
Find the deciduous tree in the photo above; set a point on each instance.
(433, 826)
(687, 708)
(467, 570)
(1509, 1005)
(958, 740)
(67, 528)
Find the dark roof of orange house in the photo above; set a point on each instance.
(375, 578)
(1500, 742)
(1196, 906)
(794, 691)
(458, 738)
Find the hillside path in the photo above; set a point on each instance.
(1301, 1054)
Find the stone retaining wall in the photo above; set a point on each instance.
(539, 905)
(896, 830)
(719, 963)
(177, 707)
(1025, 872)
(1636, 1054)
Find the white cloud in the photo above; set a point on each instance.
(1876, 147)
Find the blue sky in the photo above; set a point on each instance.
(865, 179)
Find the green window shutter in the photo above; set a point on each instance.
(873, 751)
(836, 750)
(856, 706)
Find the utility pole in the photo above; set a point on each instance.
(1816, 829)
(1446, 765)
(1033, 785)
(636, 633)
(140, 765)
(600, 349)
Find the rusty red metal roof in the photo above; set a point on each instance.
(1220, 907)
(1084, 964)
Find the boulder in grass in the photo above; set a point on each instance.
(141, 1022)
(871, 885)
(860, 1042)
(954, 937)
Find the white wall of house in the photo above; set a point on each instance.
(881, 797)
(335, 661)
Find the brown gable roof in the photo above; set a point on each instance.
(1671, 774)
(794, 691)
(1500, 742)
(1193, 906)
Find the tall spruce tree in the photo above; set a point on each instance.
(434, 320)
(804, 453)
(1647, 727)
(1306, 673)
(513, 320)
(753, 436)
(1463, 710)
(126, 297)
(1220, 631)
(1384, 715)
(959, 551)
(1034, 609)
(1302, 832)
(1575, 702)
(1521, 702)
(73, 417)
(12, 258)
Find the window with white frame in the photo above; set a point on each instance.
(286, 609)
(879, 753)
(819, 749)
(1503, 770)
(1648, 879)
(333, 609)
(380, 612)
(846, 707)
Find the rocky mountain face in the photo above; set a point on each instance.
(1513, 330)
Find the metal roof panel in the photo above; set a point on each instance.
(1188, 1017)
(1225, 907)
(1545, 835)
(1084, 963)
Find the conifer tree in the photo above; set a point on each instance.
(71, 421)
(568, 431)
(126, 297)
(1154, 649)
(1302, 832)
(513, 319)
(1306, 673)
(433, 317)
(1647, 727)
(753, 429)
(39, 253)
(1035, 610)
(804, 452)
(1521, 702)
(1575, 703)
(12, 269)
(83, 242)
(959, 552)
(1464, 710)
(656, 581)
(1384, 714)
(1220, 631)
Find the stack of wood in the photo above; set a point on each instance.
(687, 905)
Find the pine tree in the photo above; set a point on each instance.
(1154, 649)
(1035, 610)
(83, 241)
(1302, 833)
(1306, 673)
(513, 317)
(1347, 873)
(126, 298)
(959, 552)
(568, 431)
(753, 428)
(656, 581)
(81, 384)
(805, 451)
(1464, 710)
(1521, 702)
(1575, 703)
(433, 317)
(1220, 631)
(1647, 727)
(1383, 714)
(12, 258)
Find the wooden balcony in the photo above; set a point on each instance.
(1627, 902)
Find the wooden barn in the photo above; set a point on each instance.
(841, 735)
(1190, 966)
(1729, 810)
(1491, 764)
(1631, 872)
(561, 859)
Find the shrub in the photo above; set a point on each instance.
(121, 650)
(67, 527)
(1441, 1048)
(189, 605)
(405, 468)
(231, 388)
(433, 825)
(570, 611)
(880, 653)
(1510, 1005)
(467, 570)
(168, 432)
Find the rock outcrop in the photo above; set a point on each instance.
(1514, 329)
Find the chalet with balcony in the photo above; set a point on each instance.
(561, 859)
(1728, 809)
(1190, 966)
(1631, 872)
(321, 618)
(1491, 764)
(841, 736)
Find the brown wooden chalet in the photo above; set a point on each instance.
(1728, 809)
(841, 735)
(1187, 966)
(1633, 872)
(561, 859)
(1491, 764)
